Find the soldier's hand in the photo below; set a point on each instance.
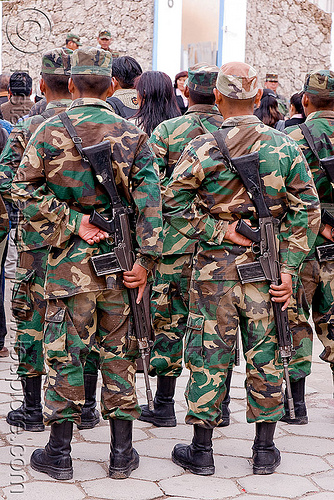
(237, 238)
(136, 278)
(283, 292)
(89, 233)
(327, 232)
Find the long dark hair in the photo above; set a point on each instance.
(268, 109)
(158, 102)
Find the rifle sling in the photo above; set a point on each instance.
(310, 140)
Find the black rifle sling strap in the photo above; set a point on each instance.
(219, 136)
(73, 134)
(310, 140)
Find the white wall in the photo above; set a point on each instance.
(234, 30)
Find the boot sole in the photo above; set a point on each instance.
(262, 470)
(124, 472)
(88, 424)
(201, 471)
(61, 475)
(25, 426)
(295, 421)
(158, 422)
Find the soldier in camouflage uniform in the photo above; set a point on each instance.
(170, 295)
(28, 304)
(317, 290)
(57, 192)
(204, 200)
(271, 83)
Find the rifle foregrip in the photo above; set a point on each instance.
(252, 234)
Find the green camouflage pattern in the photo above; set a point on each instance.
(170, 296)
(53, 188)
(237, 80)
(91, 61)
(73, 38)
(217, 309)
(283, 105)
(317, 279)
(320, 82)
(202, 197)
(202, 78)
(57, 62)
(72, 326)
(105, 34)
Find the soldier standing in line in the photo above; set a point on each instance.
(72, 41)
(204, 201)
(271, 83)
(57, 191)
(317, 276)
(28, 304)
(171, 288)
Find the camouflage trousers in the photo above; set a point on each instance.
(217, 308)
(317, 291)
(28, 307)
(72, 326)
(169, 307)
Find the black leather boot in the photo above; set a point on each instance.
(298, 395)
(226, 401)
(90, 416)
(198, 456)
(55, 459)
(29, 414)
(123, 457)
(163, 414)
(266, 457)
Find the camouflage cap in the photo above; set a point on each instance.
(320, 82)
(73, 38)
(57, 62)
(237, 80)
(105, 34)
(202, 78)
(271, 77)
(91, 61)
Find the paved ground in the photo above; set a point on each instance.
(307, 453)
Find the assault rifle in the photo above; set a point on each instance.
(267, 266)
(122, 258)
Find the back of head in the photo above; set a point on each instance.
(91, 71)
(56, 70)
(268, 109)
(158, 101)
(296, 101)
(20, 83)
(319, 87)
(201, 82)
(4, 81)
(126, 69)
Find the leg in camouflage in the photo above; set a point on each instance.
(216, 310)
(170, 297)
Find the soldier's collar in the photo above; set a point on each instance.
(89, 101)
(59, 103)
(234, 121)
(204, 108)
(325, 113)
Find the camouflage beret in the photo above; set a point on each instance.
(202, 78)
(271, 77)
(237, 80)
(91, 61)
(73, 38)
(105, 34)
(320, 82)
(57, 62)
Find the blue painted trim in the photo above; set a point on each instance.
(155, 36)
(221, 33)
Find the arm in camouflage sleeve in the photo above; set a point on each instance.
(179, 207)
(47, 220)
(10, 159)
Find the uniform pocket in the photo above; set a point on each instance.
(55, 333)
(193, 351)
(22, 305)
(161, 306)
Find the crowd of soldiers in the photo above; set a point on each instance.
(185, 201)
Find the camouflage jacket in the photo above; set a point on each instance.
(168, 141)
(203, 196)
(54, 188)
(319, 123)
(18, 139)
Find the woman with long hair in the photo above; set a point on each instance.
(179, 86)
(156, 98)
(268, 110)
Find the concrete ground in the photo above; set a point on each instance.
(306, 471)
